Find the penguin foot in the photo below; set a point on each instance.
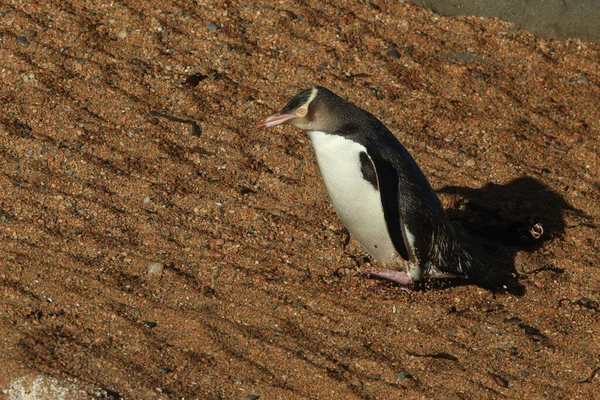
(399, 277)
(383, 289)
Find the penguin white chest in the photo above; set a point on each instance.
(357, 201)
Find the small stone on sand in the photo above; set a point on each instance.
(155, 268)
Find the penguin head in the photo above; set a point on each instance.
(308, 110)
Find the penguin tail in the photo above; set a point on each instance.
(483, 275)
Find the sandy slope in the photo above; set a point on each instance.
(259, 294)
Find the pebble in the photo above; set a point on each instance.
(470, 162)
(211, 27)
(23, 40)
(165, 370)
(449, 138)
(155, 268)
(29, 78)
(400, 377)
(122, 34)
(150, 324)
(394, 53)
(209, 290)
(146, 199)
(194, 80)
(498, 380)
(356, 383)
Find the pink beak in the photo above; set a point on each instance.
(275, 119)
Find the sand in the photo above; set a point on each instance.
(155, 244)
(548, 19)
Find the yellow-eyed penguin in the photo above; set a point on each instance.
(379, 192)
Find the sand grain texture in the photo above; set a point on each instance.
(257, 294)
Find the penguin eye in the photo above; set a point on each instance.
(301, 112)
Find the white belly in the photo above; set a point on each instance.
(356, 201)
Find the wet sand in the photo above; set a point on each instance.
(548, 19)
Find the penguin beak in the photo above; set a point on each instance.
(275, 119)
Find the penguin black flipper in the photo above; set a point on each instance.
(412, 210)
(385, 180)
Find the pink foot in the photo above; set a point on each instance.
(399, 277)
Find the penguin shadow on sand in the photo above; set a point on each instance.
(496, 222)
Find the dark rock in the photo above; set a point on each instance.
(23, 40)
